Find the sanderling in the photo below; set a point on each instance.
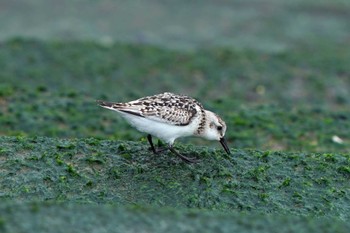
(169, 116)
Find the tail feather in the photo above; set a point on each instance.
(106, 104)
(122, 107)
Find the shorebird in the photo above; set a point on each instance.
(169, 116)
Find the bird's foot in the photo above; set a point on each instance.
(184, 158)
(158, 150)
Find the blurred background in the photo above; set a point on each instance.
(277, 71)
(268, 67)
(269, 25)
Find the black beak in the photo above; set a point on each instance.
(224, 144)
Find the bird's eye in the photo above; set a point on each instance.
(219, 128)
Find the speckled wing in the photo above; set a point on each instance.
(167, 108)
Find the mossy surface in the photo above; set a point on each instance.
(120, 172)
(291, 101)
(58, 217)
(288, 128)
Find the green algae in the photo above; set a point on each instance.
(55, 217)
(289, 183)
(64, 149)
(53, 86)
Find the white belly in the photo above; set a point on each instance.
(164, 131)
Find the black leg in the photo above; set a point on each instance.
(149, 137)
(184, 158)
(153, 148)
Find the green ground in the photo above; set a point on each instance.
(282, 86)
(284, 160)
(101, 218)
(119, 172)
(293, 101)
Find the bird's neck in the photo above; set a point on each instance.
(202, 122)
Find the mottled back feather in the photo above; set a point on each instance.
(167, 107)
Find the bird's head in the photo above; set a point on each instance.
(215, 129)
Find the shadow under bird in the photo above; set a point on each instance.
(169, 116)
